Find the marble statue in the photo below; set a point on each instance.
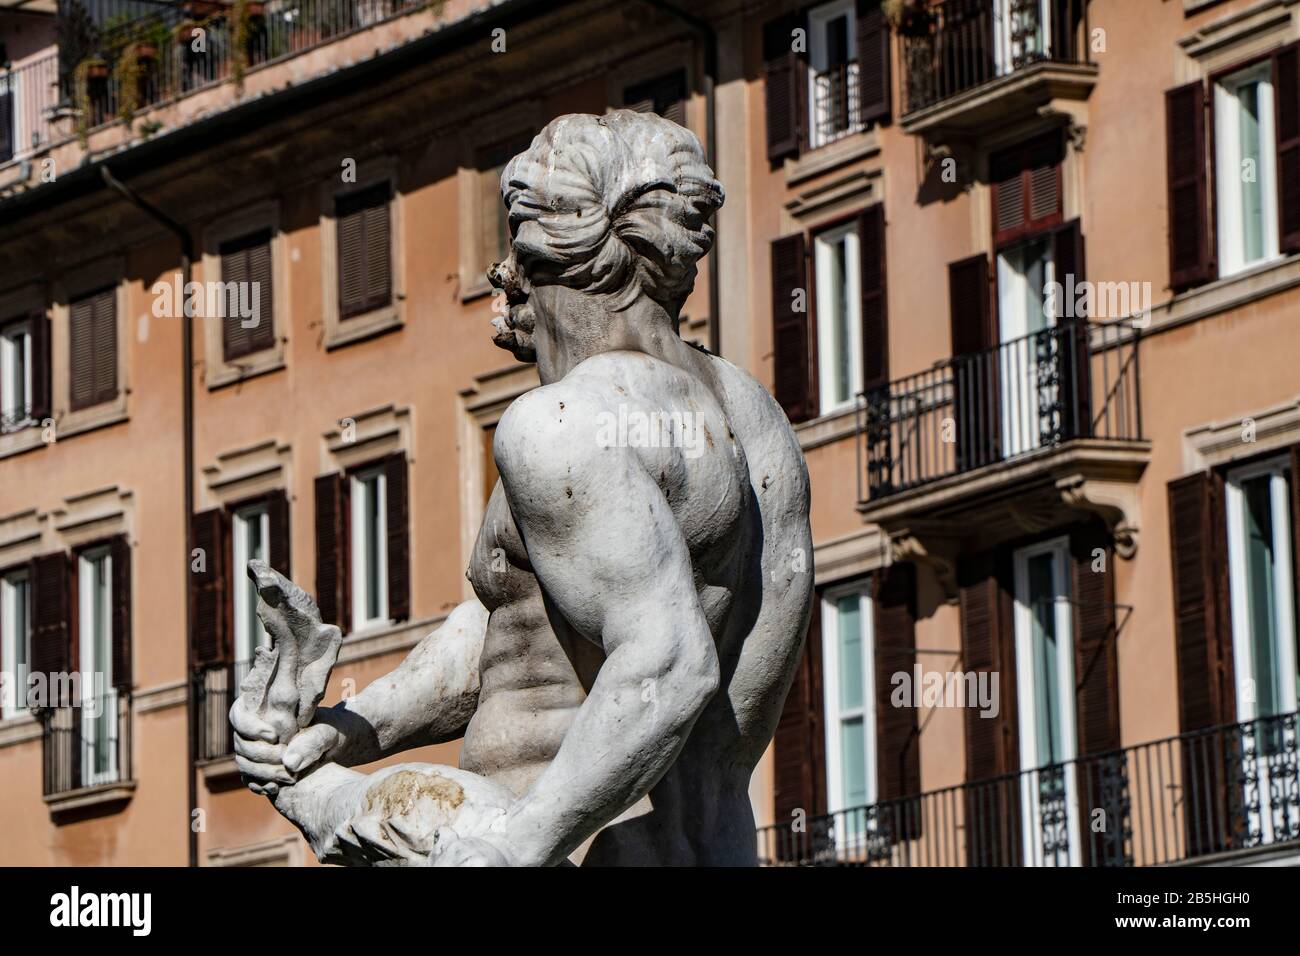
(642, 577)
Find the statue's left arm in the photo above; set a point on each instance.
(610, 555)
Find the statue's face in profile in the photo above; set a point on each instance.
(514, 329)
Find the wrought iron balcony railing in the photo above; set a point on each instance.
(959, 45)
(88, 744)
(215, 690)
(1077, 379)
(1215, 791)
(835, 104)
(29, 94)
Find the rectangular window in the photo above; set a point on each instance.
(849, 682)
(1044, 646)
(1022, 33)
(16, 643)
(833, 88)
(838, 266)
(250, 531)
(1245, 177)
(93, 348)
(15, 375)
(369, 548)
(364, 250)
(98, 698)
(248, 324)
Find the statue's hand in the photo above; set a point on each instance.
(484, 850)
(268, 765)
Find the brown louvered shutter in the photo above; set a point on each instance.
(236, 340)
(277, 519)
(364, 250)
(41, 405)
(783, 84)
(792, 330)
(8, 137)
(1026, 183)
(898, 748)
(799, 746)
(875, 306)
(1197, 532)
(81, 352)
(51, 618)
(975, 389)
(1076, 379)
(992, 799)
(332, 550)
(398, 522)
(665, 95)
(873, 64)
(105, 345)
(245, 260)
(1286, 110)
(1191, 261)
(208, 587)
(119, 550)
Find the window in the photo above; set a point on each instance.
(665, 95)
(839, 316)
(369, 548)
(1245, 145)
(365, 272)
(849, 682)
(15, 375)
(1022, 32)
(250, 540)
(1262, 592)
(93, 348)
(246, 263)
(1024, 273)
(1044, 649)
(833, 87)
(98, 699)
(15, 639)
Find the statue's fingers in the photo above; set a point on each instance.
(263, 772)
(259, 751)
(248, 725)
(309, 746)
(405, 840)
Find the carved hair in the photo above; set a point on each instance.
(616, 204)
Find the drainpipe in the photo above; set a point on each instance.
(187, 421)
(708, 39)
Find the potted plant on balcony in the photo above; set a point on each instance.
(909, 17)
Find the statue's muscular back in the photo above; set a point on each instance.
(736, 484)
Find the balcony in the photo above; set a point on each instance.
(1006, 441)
(215, 690)
(29, 95)
(969, 65)
(1227, 794)
(835, 109)
(87, 760)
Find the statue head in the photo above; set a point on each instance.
(608, 217)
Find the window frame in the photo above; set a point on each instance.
(8, 409)
(823, 236)
(1229, 236)
(244, 598)
(357, 479)
(835, 715)
(818, 20)
(91, 689)
(15, 696)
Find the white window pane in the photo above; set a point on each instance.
(853, 751)
(1046, 662)
(848, 611)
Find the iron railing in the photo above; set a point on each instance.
(961, 44)
(836, 111)
(215, 690)
(1209, 792)
(29, 95)
(190, 46)
(87, 744)
(1077, 379)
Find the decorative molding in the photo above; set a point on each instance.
(829, 200)
(817, 162)
(839, 424)
(19, 730)
(160, 697)
(1220, 443)
(850, 556)
(1116, 501)
(92, 516)
(360, 646)
(1237, 35)
(935, 551)
(284, 851)
(103, 797)
(367, 436)
(245, 473)
(21, 536)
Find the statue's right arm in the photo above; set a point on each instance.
(428, 699)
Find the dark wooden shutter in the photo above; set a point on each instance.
(51, 618)
(119, 550)
(364, 250)
(975, 382)
(1026, 186)
(1191, 261)
(277, 518)
(1076, 378)
(898, 748)
(873, 64)
(93, 348)
(1286, 109)
(41, 369)
(792, 331)
(875, 307)
(992, 755)
(209, 588)
(332, 550)
(799, 747)
(784, 84)
(665, 95)
(248, 259)
(8, 136)
(398, 521)
(1197, 533)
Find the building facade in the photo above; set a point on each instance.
(1021, 272)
